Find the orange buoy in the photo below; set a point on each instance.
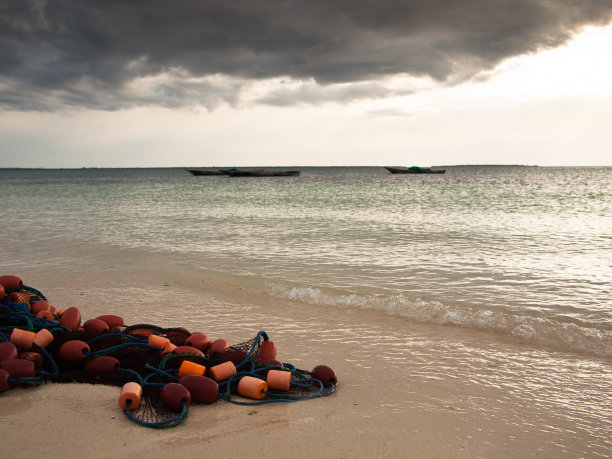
(174, 395)
(40, 305)
(252, 387)
(279, 380)
(187, 350)
(324, 374)
(43, 338)
(101, 365)
(19, 368)
(191, 368)
(71, 318)
(8, 351)
(74, 350)
(11, 282)
(131, 392)
(222, 371)
(267, 350)
(199, 341)
(201, 388)
(158, 341)
(4, 377)
(218, 345)
(46, 315)
(96, 326)
(111, 320)
(23, 339)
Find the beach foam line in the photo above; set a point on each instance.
(535, 331)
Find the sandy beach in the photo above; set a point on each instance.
(405, 388)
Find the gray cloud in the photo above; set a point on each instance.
(59, 53)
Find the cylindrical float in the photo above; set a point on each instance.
(222, 371)
(158, 341)
(74, 350)
(71, 318)
(199, 341)
(279, 380)
(191, 368)
(23, 339)
(174, 395)
(19, 368)
(324, 374)
(8, 351)
(252, 387)
(131, 392)
(11, 282)
(201, 388)
(101, 365)
(96, 326)
(43, 338)
(46, 315)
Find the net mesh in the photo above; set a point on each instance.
(138, 361)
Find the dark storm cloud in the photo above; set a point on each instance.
(87, 53)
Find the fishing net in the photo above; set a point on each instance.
(131, 357)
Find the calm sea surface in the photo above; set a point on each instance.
(521, 251)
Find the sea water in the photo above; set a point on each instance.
(485, 290)
(523, 251)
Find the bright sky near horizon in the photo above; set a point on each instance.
(305, 84)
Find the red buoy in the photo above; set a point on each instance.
(40, 305)
(174, 394)
(199, 341)
(71, 318)
(267, 350)
(96, 326)
(111, 320)
(74, 350)
(11, 282)
(101, 365)
(187, 350)
(8, 351)
(19, 368)
(201, 388)
(218, 345)
(324, 374)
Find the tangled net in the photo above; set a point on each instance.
(161, 370)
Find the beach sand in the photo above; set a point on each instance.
(405, 389)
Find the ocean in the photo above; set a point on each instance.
(481, 297)
(522, 251)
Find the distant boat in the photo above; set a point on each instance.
(261, 173)
(234, 172)
(205, 171)
(414, 170)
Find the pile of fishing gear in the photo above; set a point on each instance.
(161, 371)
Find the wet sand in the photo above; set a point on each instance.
(405, 389)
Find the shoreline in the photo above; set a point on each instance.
(405, 389)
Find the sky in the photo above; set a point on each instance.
(188, 83)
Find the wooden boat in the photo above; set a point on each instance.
(414, 170)
(261, 173)
(205, 171)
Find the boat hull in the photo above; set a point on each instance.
(414, 170)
